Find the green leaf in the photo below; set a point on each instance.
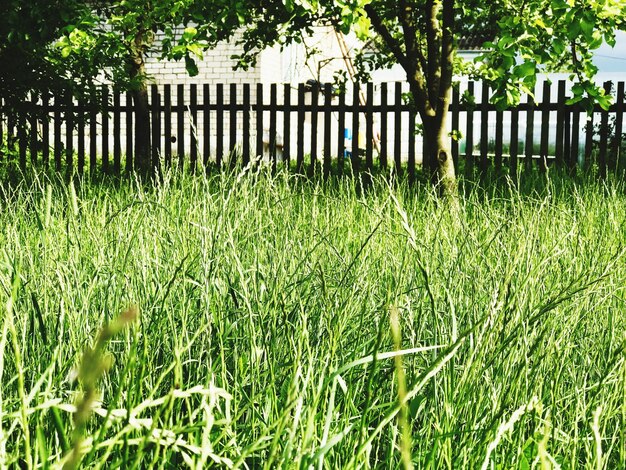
(587, 26)
(362, 27)
(573, 30)
(189, 33)
(195, 49)
(191, 66)
(525, 69)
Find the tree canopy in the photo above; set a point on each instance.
(27, 54)
(526, 37)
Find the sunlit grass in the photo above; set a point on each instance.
(264, 334)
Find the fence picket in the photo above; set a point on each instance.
(397, 122)
(117, 134)
(45, 128)
(484, 128)
(58, 144)
(369, 127)
(300, 133)
(589, 140)
(499, 142)
(561, 123)
(545, 126)
(206, 124)
(469, 138)
(93, 132)
(384, 109)
(513, 144)
(314, 120)
(259, 120)
(619, 127)
(454, 109)
(246, 123)
(575, 147)
(155, 126)
(328, 96)
(180, 124)
(354, 160)
(105, 129)
(193, 128)
(272, 130)
(341, 132)
(604, 134)
(232, 124)
(129, 132)
(80, 131)
(530, 124)
(286, 124)
(33, 144)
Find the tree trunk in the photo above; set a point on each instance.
(438, 157)
(142, 108)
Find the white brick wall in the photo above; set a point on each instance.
(215, 67)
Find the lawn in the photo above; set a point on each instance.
(251, 321)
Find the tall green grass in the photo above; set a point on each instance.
(285, 322)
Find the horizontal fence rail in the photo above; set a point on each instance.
(311, 124)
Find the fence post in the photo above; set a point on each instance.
(619, 123)
(604, 134)
(272, 131)
(93, 131)
(105, 128)
(328, 96)
(300, 137)
(57, 133)
(206, 124)
(259, 120)
(383, 126)
(561, 122)
(180, 124)
(499, 140)
(156, 128)
(469, 138)
(129, 133)
(232, 123)
(314, 122)
(589, 139)
(286, 124)
(530, 123)
(484, 128)
(355, 159)
(397, 127)
(22, 139)
(426, 162)
(545, 126)
(193, 126)
(513, 145)
(454, 108)
(80, 126)
(117, 126)
(369, 128)
(246, 124)
(33, 124)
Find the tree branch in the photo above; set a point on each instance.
(415, 69)
(433, 39)
(447, 57)
(391, 42)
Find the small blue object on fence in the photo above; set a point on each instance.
(347, 135)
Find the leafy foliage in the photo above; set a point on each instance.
(29, 62)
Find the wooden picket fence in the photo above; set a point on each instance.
(311, 124)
